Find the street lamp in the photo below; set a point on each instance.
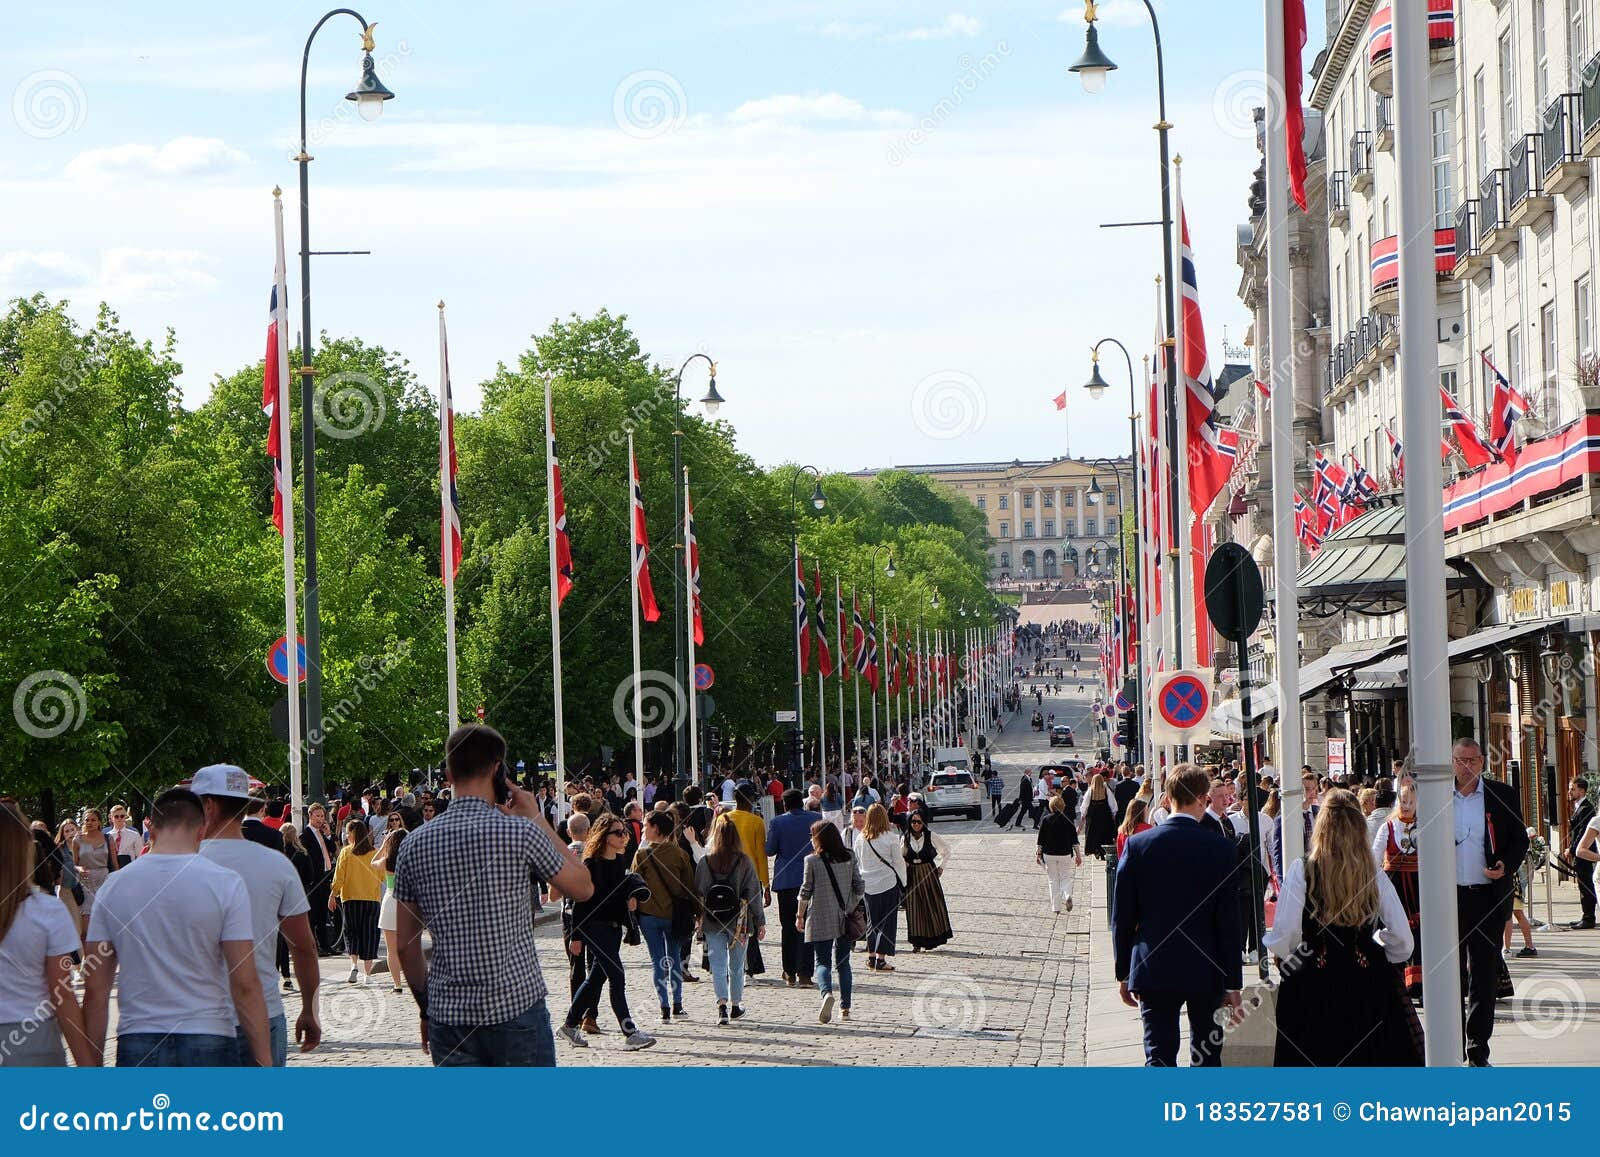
(818, 502)
(712, 402)
(1093, 66)
(368, 96)
(1094, 490)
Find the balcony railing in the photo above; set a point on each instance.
(1562, 142)
(1589, 101)
(1361, 160)
(1525, 177)
(1466, 235)
(1492, 209)
(1383, 122)
(1338, 198)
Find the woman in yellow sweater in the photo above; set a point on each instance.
(358, 885)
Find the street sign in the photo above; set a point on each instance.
(1234, 598)
(704, 676)
(1111, 711)
(1124, 703)
(783, 717)
(278, 660)
(1183, 705)
(280, 717)
(705, 707)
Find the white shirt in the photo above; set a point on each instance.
(1394, 937)
(1471, 824)
(40, 928)
(1403, 831)
(275, 892)
(127, 842)
(879, 876)
(167, 916)
(727, 789)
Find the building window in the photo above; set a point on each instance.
(1582, 317)
(1508, 91)
(983, 504)
(1088, 527)
(1513, 366)
(1111, 497)
(1072, 498)
(1005, 502)
(1027, 503)
(1577, 44)
(1005, 532)
(1480, 104)
(1541, 58)
(1027, 528)
(1113, 526)
(1049, 503)
(1069, 529)
(1550, 400)
(1005, 564)
(1444, 193)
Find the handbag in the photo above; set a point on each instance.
(855, 920)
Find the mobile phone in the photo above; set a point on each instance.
(502, 784)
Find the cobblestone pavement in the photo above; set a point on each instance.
(1014, 975)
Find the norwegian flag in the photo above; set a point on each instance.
(1305, 523)
(1473, 448)
(1212, 450)
(820, 625)
(1213, 456)
(896, 673)
(1329, 511)
(274, 380)
(872, 646)
(1397, 452)
(641, 548)
(1362, 485)
(1508, 408)
(450, 529)
(559, 506)
(838, 606)
(692, 545)
(802, 620)
(858, 637)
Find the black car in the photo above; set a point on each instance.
(1061, 736)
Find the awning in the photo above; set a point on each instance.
(1383, 674)
(1317, 675)
(1494, 638)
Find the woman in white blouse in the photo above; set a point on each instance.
(883, 867)
(1340, 933)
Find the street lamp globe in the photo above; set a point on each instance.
(889, 570)
(934, 602)
(818, 499)
(1096, 385)
(370, 94)
(1093, 66)
(1094, 490)
(713, 400)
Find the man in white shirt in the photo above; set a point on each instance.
(178, 927)
(727, 788)
(126, 844)
(277, 905)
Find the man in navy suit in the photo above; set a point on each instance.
(1176, 924)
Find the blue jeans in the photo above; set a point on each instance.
(176, 1050)
(524, 1041)
(278, 1029)
(727, 966)
(826, 952)
(667, 965)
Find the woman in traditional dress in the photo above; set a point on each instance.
(1394, 849)
(1099, 821)
(1340, 931)
(927, 916)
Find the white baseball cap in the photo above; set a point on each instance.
(222, 779)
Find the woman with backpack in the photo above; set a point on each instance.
(828, 897)
(731, 908)
(883, 871)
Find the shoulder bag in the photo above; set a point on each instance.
(855, 920)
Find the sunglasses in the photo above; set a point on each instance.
(617, 832)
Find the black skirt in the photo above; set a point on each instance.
(361, 928)
(1342, 1004)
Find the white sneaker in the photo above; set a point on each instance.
(354, 972)
(366, 980)
(825, 1013)
(638, 1039)
(572, 1036)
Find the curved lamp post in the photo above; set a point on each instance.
(368, 96)
(712, 402)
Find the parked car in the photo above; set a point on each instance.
(1061, 736)
(953, 792)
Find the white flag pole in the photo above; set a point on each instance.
(799, 668)
(821, 632)
(689, 550)
(446, 519)
(1181, 543)
(841, 667)
(855, 614)
(555, 595)
(285, 483)
(634, 562)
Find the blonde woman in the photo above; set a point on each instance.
(1394, 852)
(1099, 819)
(879, 853)
(1340, 931)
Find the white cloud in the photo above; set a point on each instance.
(954, 25)
(798, 108)
(179, 157)
(152, 274)
(25, 272)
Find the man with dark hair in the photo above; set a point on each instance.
(789, 843)
(277, 905)
(255, 828)
(1582, 813)
(178, 926)
(322, 851)
(470, 877)
(1176, 926)
(699, 813)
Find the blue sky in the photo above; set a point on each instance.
(881, 218)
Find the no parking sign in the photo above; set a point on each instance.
(1182, 705)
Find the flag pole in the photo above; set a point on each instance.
(799, 668)
(285, 482)
(446, 538)
(855, 620)
(690, 549)
(1182, 543)
(841, 668)
(877, 650)
(555, 596)
(634, 563)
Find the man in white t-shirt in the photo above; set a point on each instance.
(178, 927)
(727, 789)
(277, 905)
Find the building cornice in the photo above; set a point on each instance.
(1342, 47)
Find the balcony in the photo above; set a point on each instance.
(1386, 275)
(1589, 105)
(1525, 193)
(1495, 234)
(1380, 41)
(1338, 199)
(1361, 162)
(1383, 125)
(1561, 145)
(1468, 258)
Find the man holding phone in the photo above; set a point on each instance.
(1491, 843)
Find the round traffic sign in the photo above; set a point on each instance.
(1123, 703)
(1234, 596)
(1111, 711)
(278, 659)
(704, 676)
(1184, 701)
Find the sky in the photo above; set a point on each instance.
(882, 219)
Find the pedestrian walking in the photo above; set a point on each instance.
(880, 857)
(789, 843)
(828, 896)
(1582, 813)
(732, 910)
(1025, 799)
(389, 909)
(599, 925)
(753, 835)
(321, 855)
(1058, 853)
(1340, 930)
(356, 890)
(668, 872)
(1099, 820)
(997, 791)
(96, 859)
(927, 914)
(1133, 823)
(1394, 851)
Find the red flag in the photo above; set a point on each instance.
(1201, 535)
(563, 543)
(802, 618)
(819, 624)
(693, 545)
(858, 637)
(895, 674)
(1211, 450)
(838, 605)
(1473, 448)
(1061, 400)
(272, 380)
(1294, 118)
(1507, 409)
(641, 550)
(872, 646)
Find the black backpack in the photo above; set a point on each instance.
(722, 901)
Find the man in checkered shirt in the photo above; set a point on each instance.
(470, 876)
